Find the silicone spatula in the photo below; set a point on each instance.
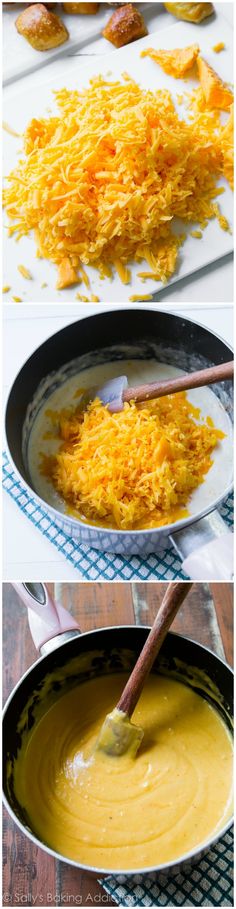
(115, 392)
(118, 735)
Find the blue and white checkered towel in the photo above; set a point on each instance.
(209, 883)
(91, 564)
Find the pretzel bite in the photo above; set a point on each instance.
(191, 12)
(13, 5)
(41, 28)
(86, 9)
(126, 24)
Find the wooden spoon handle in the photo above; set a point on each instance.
(181, 383)
(173, 598)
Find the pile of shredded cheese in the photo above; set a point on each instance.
(101, 183)
(132, 469)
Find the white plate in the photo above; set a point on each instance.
(22, 106)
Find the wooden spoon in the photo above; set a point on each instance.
(118, 734)
(115, 392)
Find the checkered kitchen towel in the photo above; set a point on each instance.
(91, 564)
(209, 883)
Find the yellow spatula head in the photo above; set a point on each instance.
(118, 735)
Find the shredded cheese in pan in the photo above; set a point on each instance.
(101, 183)
(135, 468)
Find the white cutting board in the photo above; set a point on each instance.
(22, 106)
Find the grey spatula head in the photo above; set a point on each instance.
(111, 394)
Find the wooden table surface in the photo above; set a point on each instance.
(30, 876)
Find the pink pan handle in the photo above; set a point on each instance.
(215, 560)
(46, 618)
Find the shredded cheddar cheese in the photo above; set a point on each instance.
(174, 62)
(82, 298)
(10, 130)
(227, 144)
(216, 93)
(25, 272)
(101, 182)
(139, 298)
(219, 47)
(134, 468)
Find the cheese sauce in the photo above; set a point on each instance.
(125, 812)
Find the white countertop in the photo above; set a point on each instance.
(214, 283)
(26, 553)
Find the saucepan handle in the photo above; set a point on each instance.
(206, 549)
(47, 619)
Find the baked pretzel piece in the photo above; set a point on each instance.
(126, 24)
(41, 28)
(84, 9)
(13, 5)
(190, 12)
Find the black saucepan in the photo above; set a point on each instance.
(107, 650)
(122, 334)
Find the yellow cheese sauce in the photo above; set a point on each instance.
(126, 812)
